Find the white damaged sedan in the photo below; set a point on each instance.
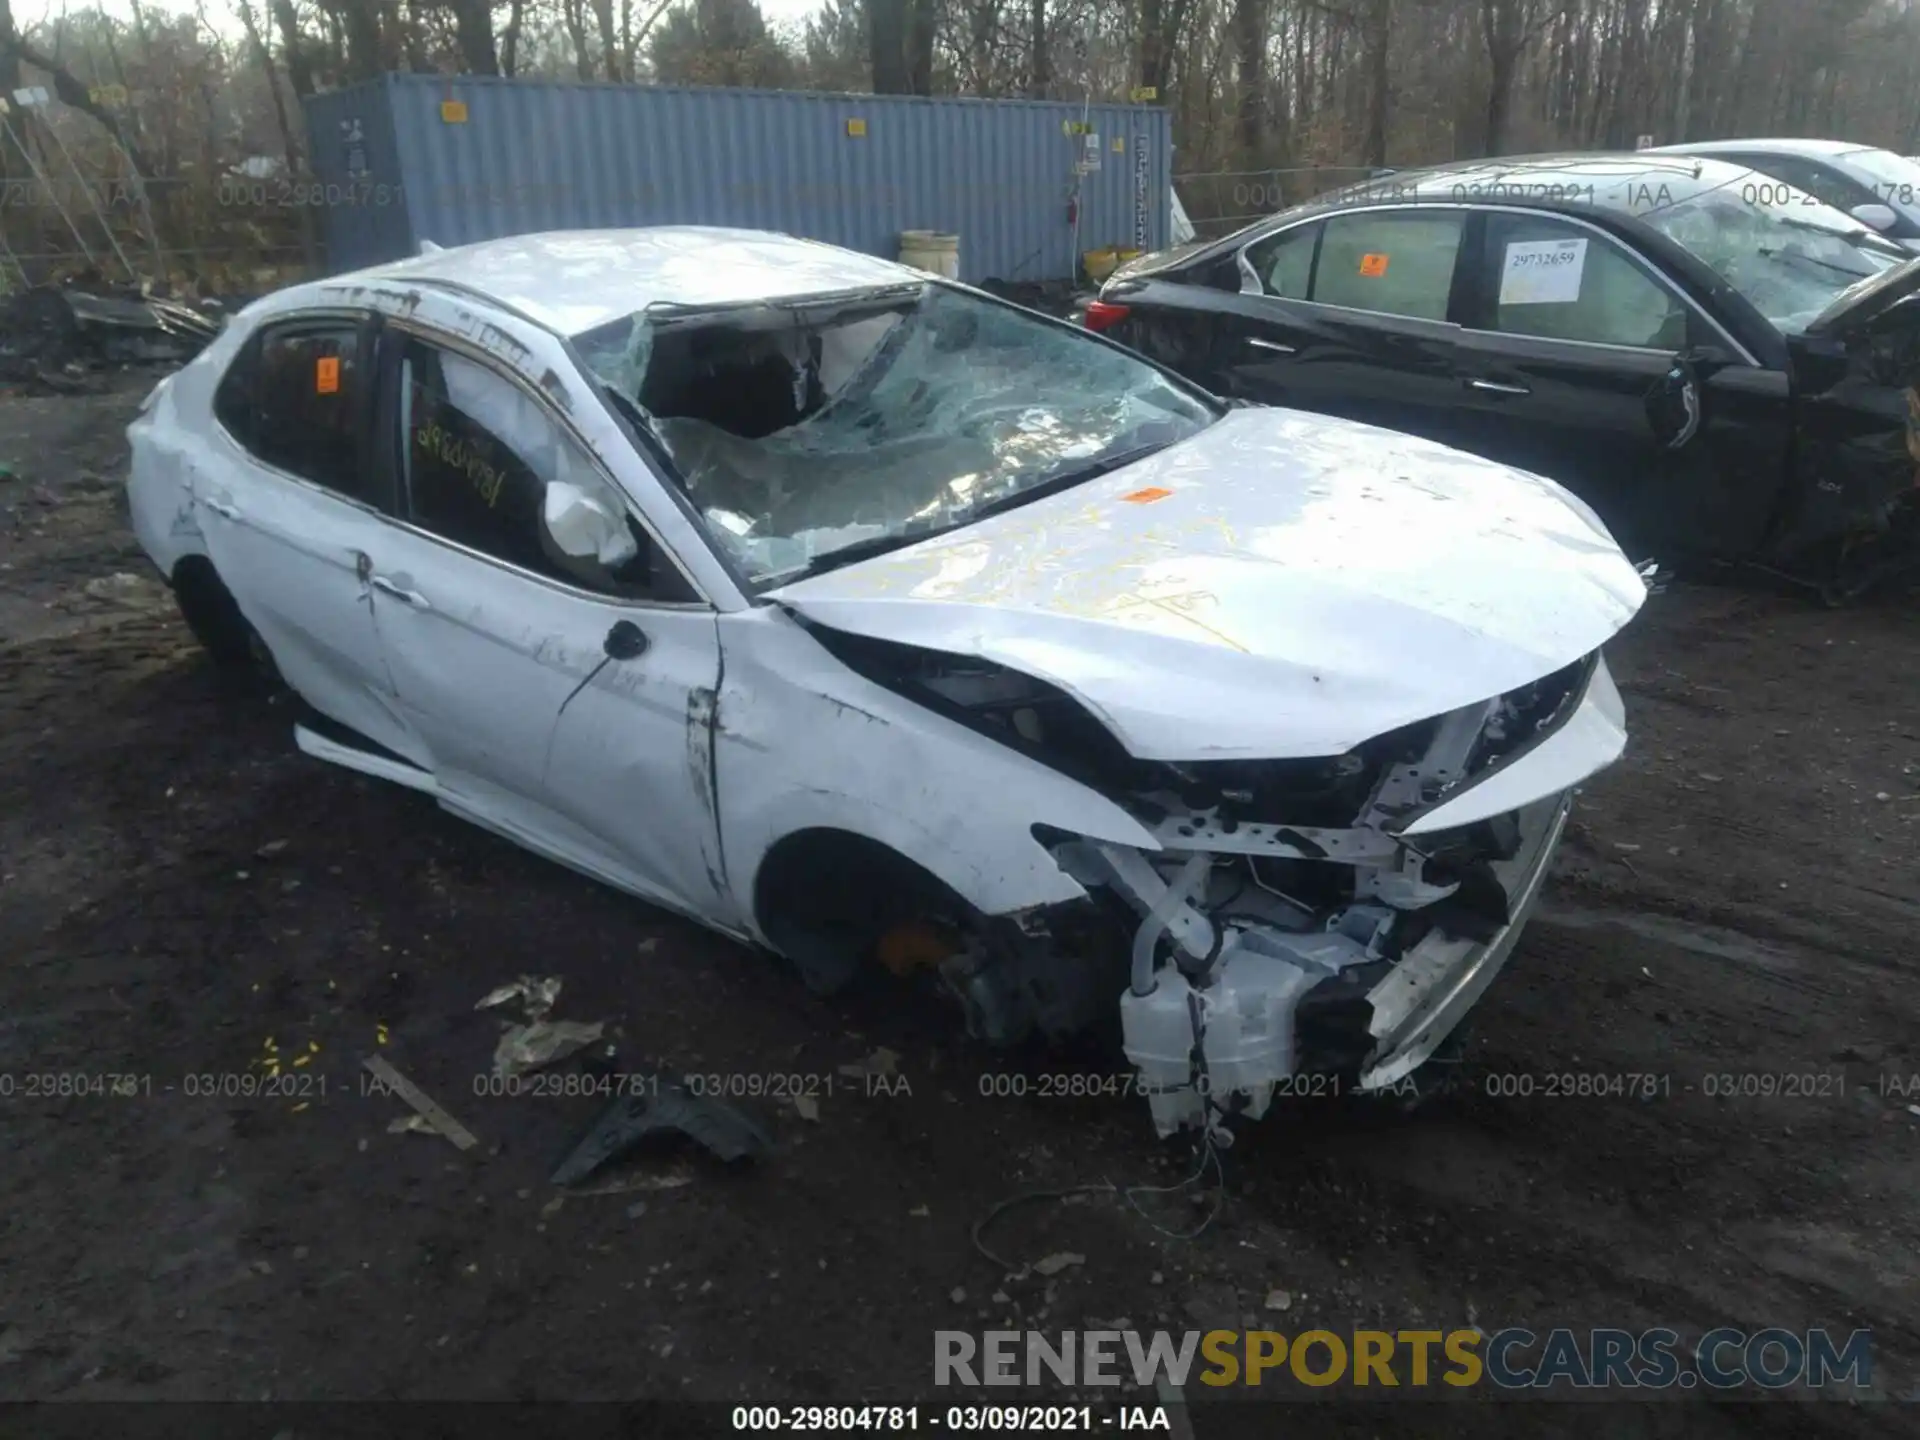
(867, 618)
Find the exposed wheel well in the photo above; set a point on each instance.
(215, 618)
(824, 897)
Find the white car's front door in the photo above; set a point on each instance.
(561, 687)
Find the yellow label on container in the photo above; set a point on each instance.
(856, 128)
(453, 112)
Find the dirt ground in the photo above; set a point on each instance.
(179, 887)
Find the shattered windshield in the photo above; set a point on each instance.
(812, 433)
(1779, 247)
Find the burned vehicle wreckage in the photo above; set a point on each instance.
(865, 618)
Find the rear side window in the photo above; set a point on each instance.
(1390, 263)
(308, 416)
(1284, 262)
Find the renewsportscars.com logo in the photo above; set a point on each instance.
(1512, 1359)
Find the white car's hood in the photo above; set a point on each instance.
(1304, 584)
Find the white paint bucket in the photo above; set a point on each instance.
(932, 251)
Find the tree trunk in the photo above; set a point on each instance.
(887, 46)
(473, 32)
(1039, 78)
(1379, 91)
(510, 39)
(609, 42)
(299, 70)
(573, 15)
(920, 32)
(1503, 27)
(1250, 45)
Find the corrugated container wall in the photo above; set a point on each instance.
(453, 159)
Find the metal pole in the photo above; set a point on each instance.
(146, 210)
(12, 259)
(87, 190)
(40, 176)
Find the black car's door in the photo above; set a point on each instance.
(1580, 362)
(1347, 315)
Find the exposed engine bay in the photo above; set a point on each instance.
(1311, 916)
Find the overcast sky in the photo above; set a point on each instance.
(25, 12)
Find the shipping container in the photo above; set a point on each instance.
(452, 159)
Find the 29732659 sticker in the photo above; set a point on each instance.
(1542, 272)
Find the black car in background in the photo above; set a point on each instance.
(1724, 370)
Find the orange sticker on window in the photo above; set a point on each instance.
(326, 375)
(1147, 496)
(1373, 266)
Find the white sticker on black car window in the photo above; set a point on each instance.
(1542, 272)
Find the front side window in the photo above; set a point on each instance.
(308, 410)
(486, 466)
(810, 432)
(1389, 262)
(1558, 281)
(1811, 176)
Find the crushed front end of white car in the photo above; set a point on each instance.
(1345, 682)
(1333, 917)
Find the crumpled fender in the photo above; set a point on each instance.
(803, 742)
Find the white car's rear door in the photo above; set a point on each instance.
(287, 503)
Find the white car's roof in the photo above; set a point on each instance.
(573, 280)
(1756, 147)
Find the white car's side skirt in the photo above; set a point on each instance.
(354, 758)
(351, 757)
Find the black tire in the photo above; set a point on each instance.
(235, 647)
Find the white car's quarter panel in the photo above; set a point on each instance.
(1279, 585)
(803, 743)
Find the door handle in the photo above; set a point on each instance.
(220, 507)
(1273, 345)
(400, 592)
(1494, 387)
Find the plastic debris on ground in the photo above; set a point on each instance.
(535, 1042)
(662, 1107)
(51, 336)
(534, 1046)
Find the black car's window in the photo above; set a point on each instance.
(485, 465)
(1393, 263)
(307, 412)
(1559, 281)
(1817, 180)
(1284, 262)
